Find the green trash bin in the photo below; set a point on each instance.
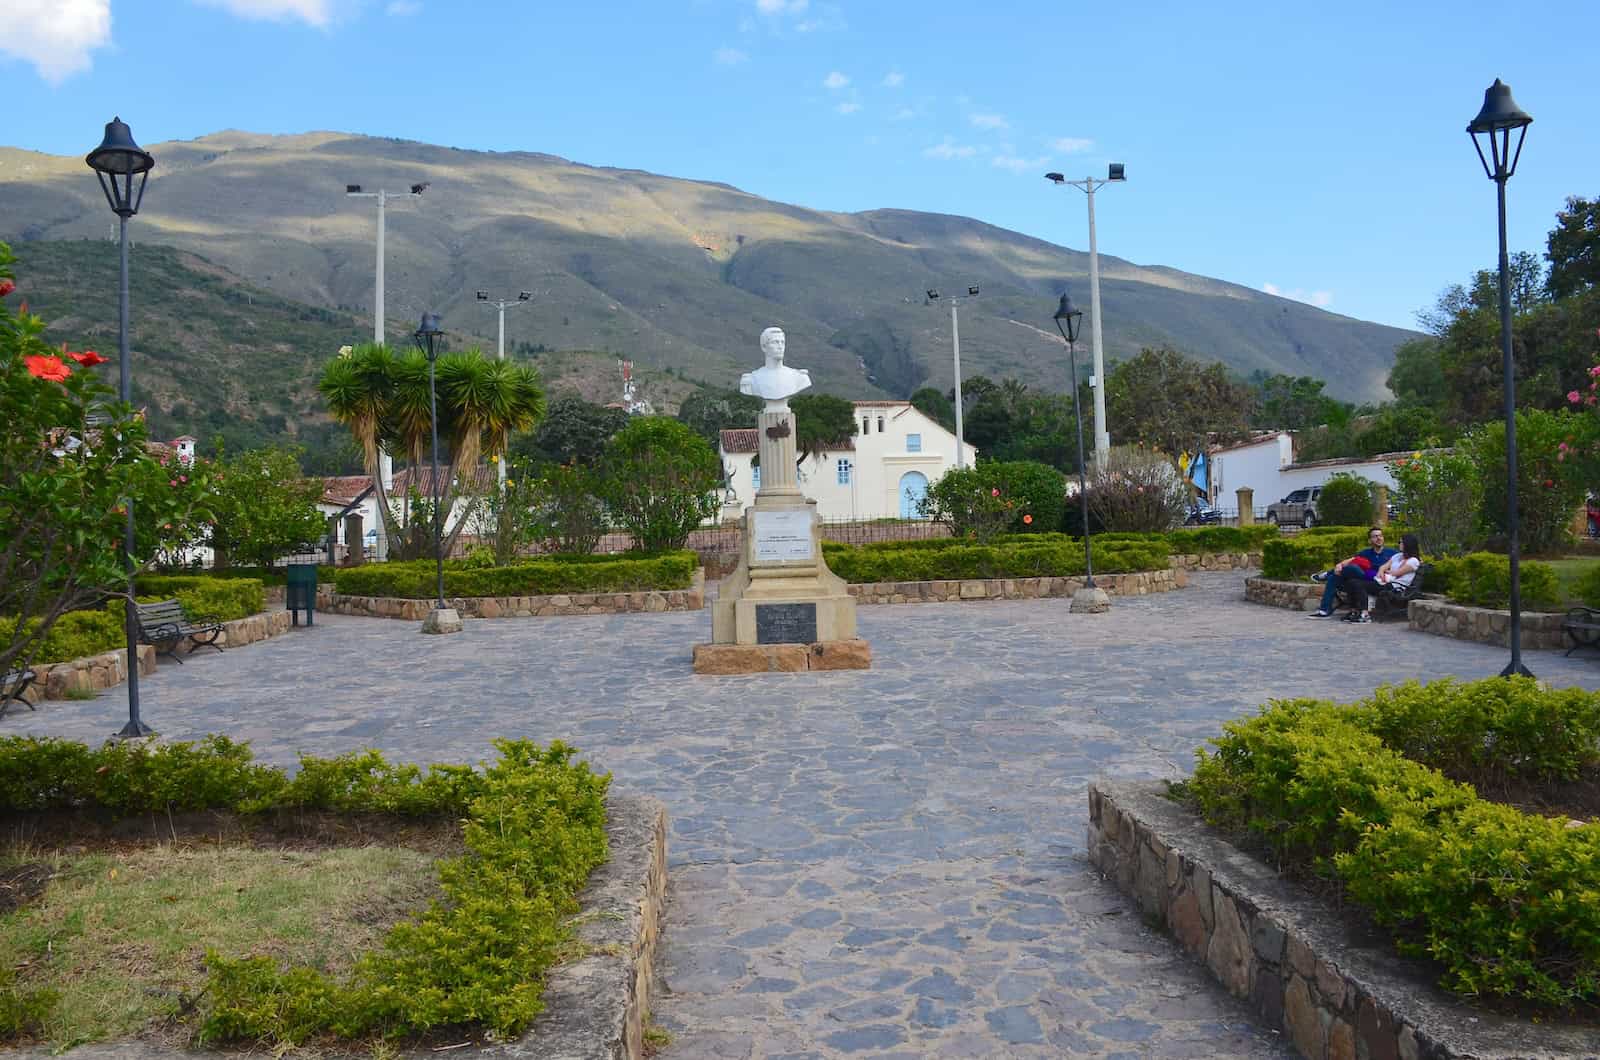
(301, 592)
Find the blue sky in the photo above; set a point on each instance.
(1318, 151)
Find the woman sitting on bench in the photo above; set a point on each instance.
(1395, 574)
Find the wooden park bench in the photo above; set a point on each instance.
(1392, 599)
(13, 685)
(165, 626)
(1582, 627)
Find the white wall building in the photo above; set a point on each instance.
(881, 473)
(1266, 466)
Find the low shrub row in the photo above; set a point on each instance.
(1483, 579)
(264, 575)
(534, 830)
(1506, 904)
(1031, 556)
(204, 597)
(592, 574)
(75, 634)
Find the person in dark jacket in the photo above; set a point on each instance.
(1347, 572)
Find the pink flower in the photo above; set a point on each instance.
(1572, 396)
(172, 482)
(183, 478)
(6, 287)
(994, 493)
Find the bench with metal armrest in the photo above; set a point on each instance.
(14, 685)
(1391, 599)
(165, 626)
(1582, 627)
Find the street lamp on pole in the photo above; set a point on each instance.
(1115, 174)
(1499, 118)
(955, 343)
(117, 161)
(442, 619)
(353, 191)
(502, 304)
(1068, 319)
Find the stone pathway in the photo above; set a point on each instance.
(881, 863)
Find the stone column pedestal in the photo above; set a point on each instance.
(1247, 505)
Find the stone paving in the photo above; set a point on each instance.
(879, 863)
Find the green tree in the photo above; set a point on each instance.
(384, 401)
(709, 411)
(821, 422)
(1573, 248)
(263, 507)
(1290, 403)
(661, 481)
(1417, 377)
(70, 457)
(1346, 500)
(1174, 404)
(1441, 498)
(1549, 488)
(938, 408)
(572, 431)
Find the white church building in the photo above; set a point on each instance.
(881, 473)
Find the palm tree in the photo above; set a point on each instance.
(384, 401)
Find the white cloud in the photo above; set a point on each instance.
(990, 121)
(848, 108)
(949, 149)
(731, 57)
(1070, 145)
(319, 13)
(56, 36)
(835, 81)
(1320, 299)
(403, 7)
(893, 79)
(1018, 165)
(781, 7)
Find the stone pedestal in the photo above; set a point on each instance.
(782, 601)
(1090, 600)
(1247, 505)
(442, 620)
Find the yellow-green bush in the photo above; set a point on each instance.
(560, 574)
(1483, 579)
(76, 634)
(1029, 556)
(203, 597)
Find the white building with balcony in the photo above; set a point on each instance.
(881, 473)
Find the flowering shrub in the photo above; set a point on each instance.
(1137, 490)
(1441, 493)
(70, 457)
(1550, 488)
(971, 502)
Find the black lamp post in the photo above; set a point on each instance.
(1495, 123)
(427, 339)
(1068, 319)
(117, 161)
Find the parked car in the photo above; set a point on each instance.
(1297, 509)
(1201, 513)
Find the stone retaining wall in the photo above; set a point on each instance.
(1216, 561)
(96, 673)
(1137, 584)
(1485, 625)
(1336, 995)
(596, 1006)
(690, 599)
(1296, 596)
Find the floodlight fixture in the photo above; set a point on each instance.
(972, 291)
(933, 293)
(418, 189)
(352, 189)
(523, 296)
(1116, 172)
(483, 296)
(1057, 178)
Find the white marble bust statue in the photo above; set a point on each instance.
(775, 381)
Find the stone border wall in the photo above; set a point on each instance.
(96, 673)
(1296, 596)
(1215, 561)
(1290, 957)
(1140, 583)
(1540, 629)
(655, 600)
(596, 1006)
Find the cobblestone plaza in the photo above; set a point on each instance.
(863, 863)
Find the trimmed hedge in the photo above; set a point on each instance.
(204, 597)
(1483, 579)
(534, 829)
(76, 634)
(1507, 904)
(592, 574)
(1034, 556)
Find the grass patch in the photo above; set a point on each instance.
(121, 937)
(1569, 571)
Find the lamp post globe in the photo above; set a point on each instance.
(1500, 120)
(119, 162)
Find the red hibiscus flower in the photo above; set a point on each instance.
(1027, 520)
(88, 358)
(47, 368)
(6, 287)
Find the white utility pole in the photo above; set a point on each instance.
(502, 304)
(385, 462)
(955, 343)
(1102, 432)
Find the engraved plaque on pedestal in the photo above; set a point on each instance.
(781, 536)
(786, 623)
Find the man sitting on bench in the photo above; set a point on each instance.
(1372, 558)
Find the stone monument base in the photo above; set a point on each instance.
(442, 620)
(782, 658)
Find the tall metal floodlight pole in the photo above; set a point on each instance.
(955, 344)
(353, 191)
(1102, 433)
(502, 304)
(117, 161)
(1499, 118)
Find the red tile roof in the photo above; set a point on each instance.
(740, 440)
